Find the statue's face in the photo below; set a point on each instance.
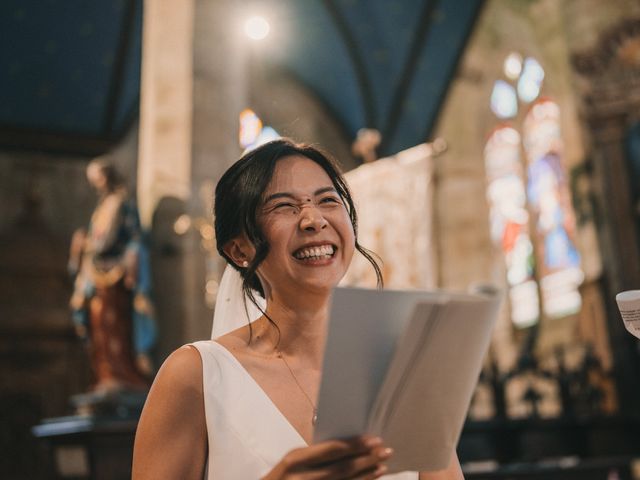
(96, 178)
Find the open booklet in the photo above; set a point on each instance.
(404, 365)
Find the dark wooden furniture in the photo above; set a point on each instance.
(88, 447)
(563, 448)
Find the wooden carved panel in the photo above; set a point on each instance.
(608, 82)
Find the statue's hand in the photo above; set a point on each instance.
(130, 280)
(77, 241)
(144, 364)
(81, 331)
(131, 270)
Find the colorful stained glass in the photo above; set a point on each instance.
(548, 195)
(530, 81)
(252, 134)
(509, 221)
(541, 201)
(513, 66)
(250, 127)
(504, 102)
(525, 307)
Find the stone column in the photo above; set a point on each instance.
(220, 82)
(219, 95)
(164, 157)
(193, 88)
(164, 163)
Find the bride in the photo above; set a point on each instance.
(243, 406)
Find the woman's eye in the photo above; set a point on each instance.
(284, 206)
(329, 200)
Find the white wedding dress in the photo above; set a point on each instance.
(247, 433)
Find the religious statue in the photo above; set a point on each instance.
(110, 302)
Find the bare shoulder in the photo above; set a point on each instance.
(181, 370)
(178, 379)
(171, 436)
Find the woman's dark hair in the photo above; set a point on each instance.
(239, 196)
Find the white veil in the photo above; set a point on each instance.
(230, 312)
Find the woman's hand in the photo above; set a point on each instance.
(355, 458)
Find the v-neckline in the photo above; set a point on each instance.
(252, 380)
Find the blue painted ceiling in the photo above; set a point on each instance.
(70, 69)
(70, 73)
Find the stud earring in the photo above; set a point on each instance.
(245, 264)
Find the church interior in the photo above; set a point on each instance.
(485, 141)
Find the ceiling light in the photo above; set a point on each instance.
(256, 28)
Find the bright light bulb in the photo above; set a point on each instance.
(256, 28)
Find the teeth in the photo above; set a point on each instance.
(322, 251)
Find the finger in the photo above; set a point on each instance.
(361, 466)
(331, 451)
(377, 472)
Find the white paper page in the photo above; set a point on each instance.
(365, 327)
(431, 398)
(413, 339)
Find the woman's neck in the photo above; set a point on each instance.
(301, 328)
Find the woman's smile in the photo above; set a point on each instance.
(316, 253)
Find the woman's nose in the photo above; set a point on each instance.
(311, 219)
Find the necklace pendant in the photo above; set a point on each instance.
(314, 419)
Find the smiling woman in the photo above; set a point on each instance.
(250, 192)
(307, 227)
(244, 405)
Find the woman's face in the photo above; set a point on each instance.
(310, 236)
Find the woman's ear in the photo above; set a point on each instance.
(240, 251)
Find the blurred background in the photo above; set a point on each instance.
(486, 141)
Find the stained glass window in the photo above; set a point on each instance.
(531, 217)
(252, 133)
(509, 221)
(504, 102)
(530, 81)
(513, 66)
(548, 195)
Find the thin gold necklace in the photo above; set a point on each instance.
(314, 418)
